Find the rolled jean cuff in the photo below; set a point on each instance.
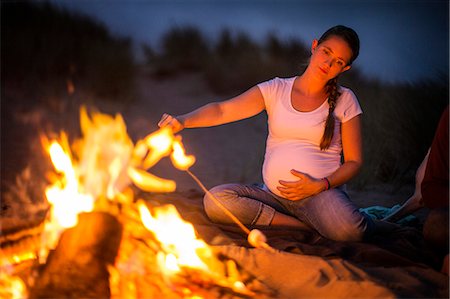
(265, 215)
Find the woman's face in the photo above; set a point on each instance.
(330, 58)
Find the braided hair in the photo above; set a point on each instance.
(331, 88)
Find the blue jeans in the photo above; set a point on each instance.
(330, 213)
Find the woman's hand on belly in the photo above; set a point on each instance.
(304, 187)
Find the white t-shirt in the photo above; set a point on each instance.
(294, 137)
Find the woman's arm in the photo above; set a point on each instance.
(243, 106)
(352, 148)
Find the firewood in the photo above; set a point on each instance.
(77, 268)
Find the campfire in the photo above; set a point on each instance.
(99, 239)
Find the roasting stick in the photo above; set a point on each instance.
(225, 210)
(255, 237)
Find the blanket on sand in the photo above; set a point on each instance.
(305, 265)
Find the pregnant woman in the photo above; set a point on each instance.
(313, 147)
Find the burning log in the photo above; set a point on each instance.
(19, 246)
(78, 266)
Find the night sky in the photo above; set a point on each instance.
(401, 41)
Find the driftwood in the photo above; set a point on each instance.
(77, 268)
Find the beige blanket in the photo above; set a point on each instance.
(394, 265)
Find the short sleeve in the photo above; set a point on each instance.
(269, 90)
(348, 106)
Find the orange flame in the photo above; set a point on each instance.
(150, 183)
(12, 287)
(179, 158)
(177, 237)
(158, 145)
(106, 162)
(65, 198)
(105, 153)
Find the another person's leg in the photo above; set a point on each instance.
(436, 234)
(435, 230)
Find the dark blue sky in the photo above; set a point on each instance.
(401, 40)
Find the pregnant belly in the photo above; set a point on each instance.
(279, 163)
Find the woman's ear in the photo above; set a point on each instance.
(314, 45)
(346, 68)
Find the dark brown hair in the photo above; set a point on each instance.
(351, 38)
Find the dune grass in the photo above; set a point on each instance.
(43, 45)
